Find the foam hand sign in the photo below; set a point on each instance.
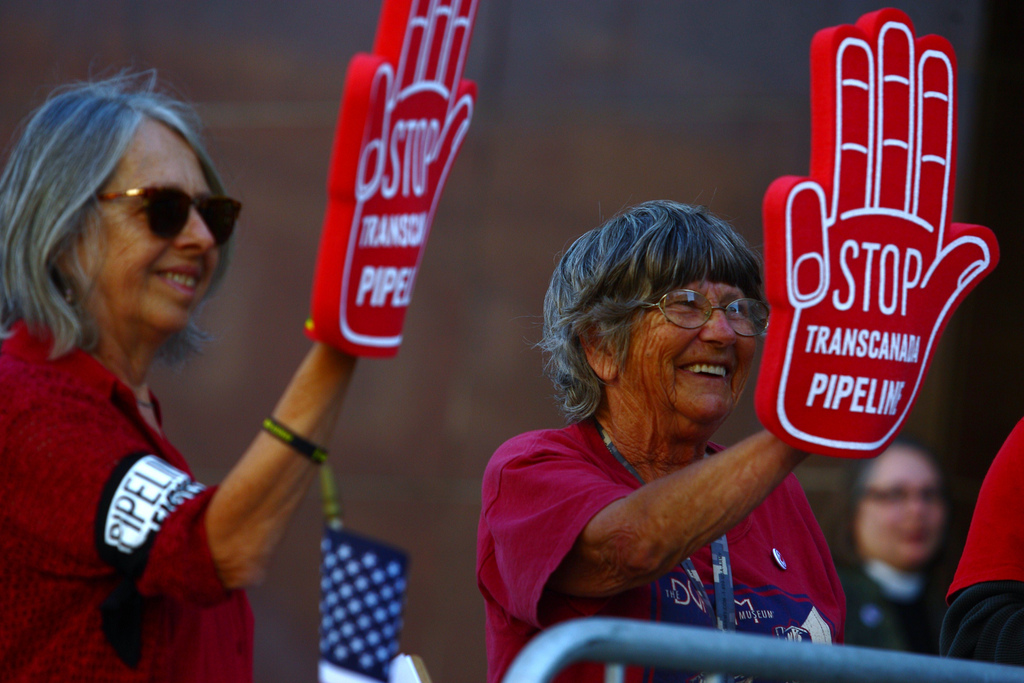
(863, 267)
(404, 113)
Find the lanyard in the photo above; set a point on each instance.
(721, 569)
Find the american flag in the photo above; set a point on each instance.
(362, 592)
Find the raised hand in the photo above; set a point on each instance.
(863, 267)
(405, 112)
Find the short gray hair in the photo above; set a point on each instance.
(67, 151)
(635, 258)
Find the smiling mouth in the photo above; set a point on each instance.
(706, 369)
(182, 279)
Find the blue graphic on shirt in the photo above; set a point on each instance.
(766, 609)
(681, 601)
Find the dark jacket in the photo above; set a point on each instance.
(872, 620)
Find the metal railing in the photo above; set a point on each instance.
(625, 642)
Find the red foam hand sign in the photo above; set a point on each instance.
(863, 267)
(404, 114)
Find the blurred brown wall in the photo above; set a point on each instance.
(584, 107)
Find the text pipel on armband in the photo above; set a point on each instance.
(145, 496)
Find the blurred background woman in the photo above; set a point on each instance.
(895, 530)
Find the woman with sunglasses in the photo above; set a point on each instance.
(650, 325)
(116, 565)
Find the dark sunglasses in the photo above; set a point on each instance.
(167, 210)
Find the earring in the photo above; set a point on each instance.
(69, 295)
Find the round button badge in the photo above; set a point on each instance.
(778, 558)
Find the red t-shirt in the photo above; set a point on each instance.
(541, 488)
(995, 543)
(90, 496)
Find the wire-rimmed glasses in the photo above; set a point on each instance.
(689, 309)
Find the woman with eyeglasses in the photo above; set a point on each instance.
(896, 522)
(651, 322)
(115, 564)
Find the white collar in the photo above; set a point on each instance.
(896, 585)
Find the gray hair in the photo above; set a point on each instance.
(67, 151)
(607, 274)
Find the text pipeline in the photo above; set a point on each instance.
(855, 394)
(383, 283)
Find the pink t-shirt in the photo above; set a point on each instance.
(995, 543)
(539, 491)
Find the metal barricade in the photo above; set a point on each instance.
(624, 642)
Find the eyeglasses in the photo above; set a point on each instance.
(899, 495)
(689, 309)
(167, 211)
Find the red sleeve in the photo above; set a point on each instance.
(62, 463)
(995, 543)
(180, 564)
(150, 524)
(60, 456)
(539, 492)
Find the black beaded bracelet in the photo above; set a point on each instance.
(307, 448)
